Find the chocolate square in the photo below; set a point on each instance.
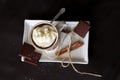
(26, 50)
(29, 55)
(34, 58)
(33, 62)
(82, 28)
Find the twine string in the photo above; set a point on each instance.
(70, 60)
(69, 56)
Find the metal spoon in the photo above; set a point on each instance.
(62, 10)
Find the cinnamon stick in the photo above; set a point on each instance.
(74, 46)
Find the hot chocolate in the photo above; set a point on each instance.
(44, 35)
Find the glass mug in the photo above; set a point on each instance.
(44, 36)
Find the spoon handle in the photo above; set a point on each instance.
(62, 10)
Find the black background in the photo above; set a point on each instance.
(104, 41)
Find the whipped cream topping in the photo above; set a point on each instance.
(44, 36)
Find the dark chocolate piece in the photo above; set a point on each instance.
(29, 55)
(66, 31)
(33, 62)
(26, 50)
(34, 58)
(82, 28)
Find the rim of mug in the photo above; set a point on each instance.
(37, 46)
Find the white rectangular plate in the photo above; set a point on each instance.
(79, 56)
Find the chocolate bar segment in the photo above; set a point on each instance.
(82, 28)
(34, 58)
(33, 62)
(26, 50)
(30, 56)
